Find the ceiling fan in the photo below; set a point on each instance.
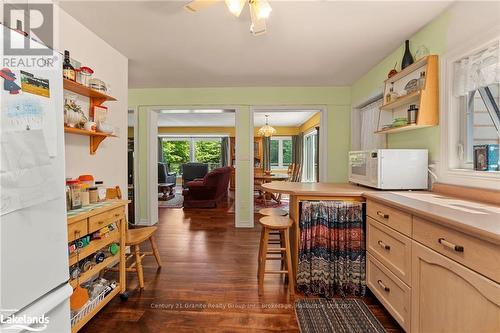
(259, 11)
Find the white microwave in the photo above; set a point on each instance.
(389, 169)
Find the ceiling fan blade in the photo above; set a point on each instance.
(258, 25)
(197, 5)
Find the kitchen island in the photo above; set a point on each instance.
(300, 192)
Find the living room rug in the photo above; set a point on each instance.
(336, 315)
(176, 202)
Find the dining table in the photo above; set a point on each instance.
(262, 178)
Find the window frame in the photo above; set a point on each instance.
(450, 168)
(192, 142)
(280, 140)
(307, 167)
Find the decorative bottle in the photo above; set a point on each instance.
(407, 57)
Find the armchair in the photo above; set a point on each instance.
(164, 176)
(192, 171)
(208, 191)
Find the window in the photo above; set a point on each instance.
(470, 116)
(310, 156)
(281, 152)
(480, 121)
(180, 150)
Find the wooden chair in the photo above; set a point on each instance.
(135, 237)
(294, 175)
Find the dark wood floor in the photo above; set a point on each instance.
(207, 283)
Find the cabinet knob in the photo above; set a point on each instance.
(383, 286)
(454, 247)
(384, 245)
(383, 215)
(117, 215)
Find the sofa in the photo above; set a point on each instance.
(191, 171)
(209, 190)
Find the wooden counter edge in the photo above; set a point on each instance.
(93, 212)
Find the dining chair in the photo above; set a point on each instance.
(136, 237)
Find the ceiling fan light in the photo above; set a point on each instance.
(263, 9)
(235, 6)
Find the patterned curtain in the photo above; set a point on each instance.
(332, 249)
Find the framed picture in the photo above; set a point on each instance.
(481, 157)
(100, 114)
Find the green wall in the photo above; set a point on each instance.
(336, 100)
(433, 36)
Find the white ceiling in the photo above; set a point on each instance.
(308, 42)
(276, 118)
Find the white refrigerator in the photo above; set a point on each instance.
(33, 230)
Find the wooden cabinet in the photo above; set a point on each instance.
(448, 297)
(391, 248)
(393, 293)
(84, 223)
(431, 278)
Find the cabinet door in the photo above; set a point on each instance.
(448, 297)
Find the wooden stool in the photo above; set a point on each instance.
(272, 224)
(273, 212)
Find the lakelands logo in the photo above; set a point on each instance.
(24, 322)
(36, 21)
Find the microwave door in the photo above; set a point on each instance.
(359, 168)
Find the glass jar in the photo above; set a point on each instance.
(75, 193)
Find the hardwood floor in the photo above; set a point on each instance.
(207, 283)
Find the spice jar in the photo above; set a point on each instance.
(75, 193)
(93, 194)
(86, 75)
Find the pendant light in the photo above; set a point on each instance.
(267, 130)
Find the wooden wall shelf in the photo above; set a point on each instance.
(80, 89)
(95, 137)
(401, 129)
(96, 98)
(406, 99)
(426, 99)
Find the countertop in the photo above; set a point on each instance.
(474, 218)
(317, 189)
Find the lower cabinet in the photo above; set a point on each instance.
(393, 293)
(448, 297)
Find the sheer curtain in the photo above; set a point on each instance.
(478, 70)
(369, 120)
(224, 151)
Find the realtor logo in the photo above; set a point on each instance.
(36, 21)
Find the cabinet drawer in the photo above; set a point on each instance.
(393, 293)
(474, 253)
(77, 229)
(100, 221)
(391, 248)
(389, 216)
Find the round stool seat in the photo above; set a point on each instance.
(273, 212)
(276, 222)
